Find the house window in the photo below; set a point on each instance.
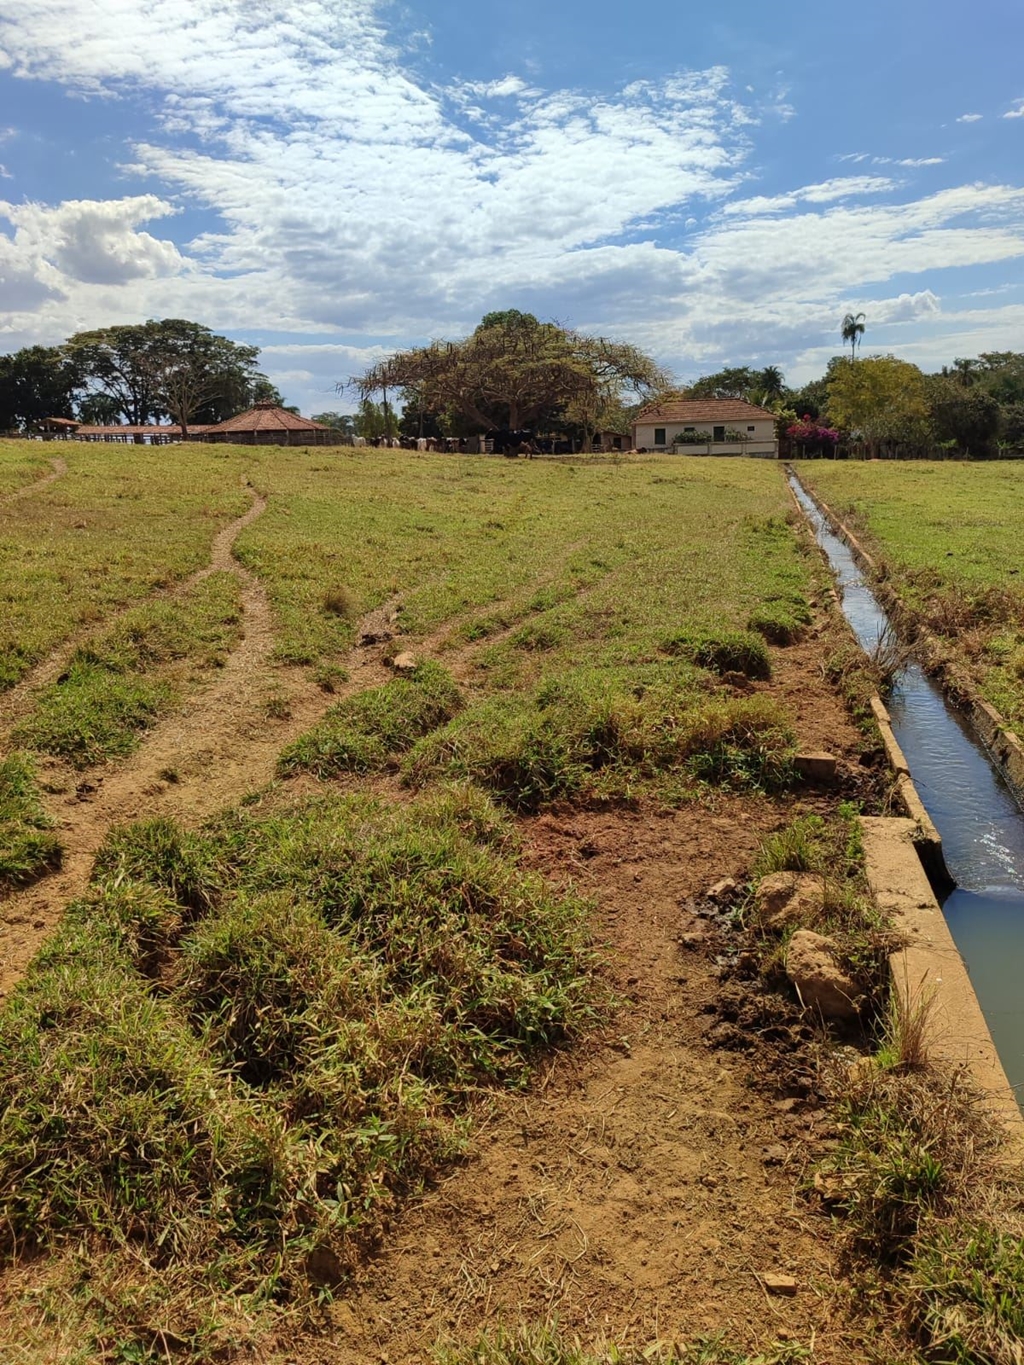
(659, 436)
(691, 430)
(750, 429)
(719, 433)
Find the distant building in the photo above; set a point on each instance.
(707, 426)
(267, 424)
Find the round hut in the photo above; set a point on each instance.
(265, 424)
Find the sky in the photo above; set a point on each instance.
(334, 179)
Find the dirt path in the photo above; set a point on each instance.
(222, 743)
(644, 1186)
(58, 467)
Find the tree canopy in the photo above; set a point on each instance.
(515, 372)
(133, 373)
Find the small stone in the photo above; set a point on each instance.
(691, 941)
(812, 965)
(405, 662)
(775, 1155)
(780, 1284)
(723, 890)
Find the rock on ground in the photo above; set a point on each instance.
(813, 967)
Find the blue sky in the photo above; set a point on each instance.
(719, 183)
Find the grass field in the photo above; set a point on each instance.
(948, 536)
(247, 1043)
(123, 522)
(21, 463)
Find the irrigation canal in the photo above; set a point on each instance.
(981, 824)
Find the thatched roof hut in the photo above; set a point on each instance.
(267, 424)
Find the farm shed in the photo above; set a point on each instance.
(267, 424)
(707, 426)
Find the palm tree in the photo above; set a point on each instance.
(771, 382)
(965, 371)
(853, 330)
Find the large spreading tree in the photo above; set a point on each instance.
(517, 373)
(169, 368)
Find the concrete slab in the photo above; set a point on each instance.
(930, 967)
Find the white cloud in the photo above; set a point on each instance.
(845, 187)
(94, 242)
(349, 200)
(1017, 111)
(970, 118)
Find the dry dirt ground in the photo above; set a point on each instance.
(646, 1184)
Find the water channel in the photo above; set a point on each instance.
(981, 824)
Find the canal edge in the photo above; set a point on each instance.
(1001, 741)
(906, 870)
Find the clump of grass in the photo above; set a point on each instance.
(967, 1282)
(620, 725)
(28, 846)
(809, 843)
(906, 1027)
(244, 1045)
(732, 651)
(365, 733)
(117, 685)
(781, 620)
(888, 657)
(546, 1344)
(329, 677)
(911, 1146)
(338, 601)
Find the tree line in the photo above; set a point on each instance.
(152, 372)
(514, 371)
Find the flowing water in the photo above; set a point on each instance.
(981, 824)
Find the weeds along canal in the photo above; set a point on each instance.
(981, 824)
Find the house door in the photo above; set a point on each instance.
(719, 434)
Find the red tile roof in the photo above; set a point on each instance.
(692, 411)
(268, 417)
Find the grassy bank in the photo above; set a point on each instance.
(947, 538)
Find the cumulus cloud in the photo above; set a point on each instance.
(1017, 111)
(970, 118)
(348, 197)
(94, 242)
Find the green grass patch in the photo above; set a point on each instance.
(123, 522)
(28, 846)
(367, 732)
(245, 1044)
(599, 732)
(735, 651)
(117, 685)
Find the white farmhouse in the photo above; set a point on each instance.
(707, 426)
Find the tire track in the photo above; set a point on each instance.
(18, 700)
(59, 469)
